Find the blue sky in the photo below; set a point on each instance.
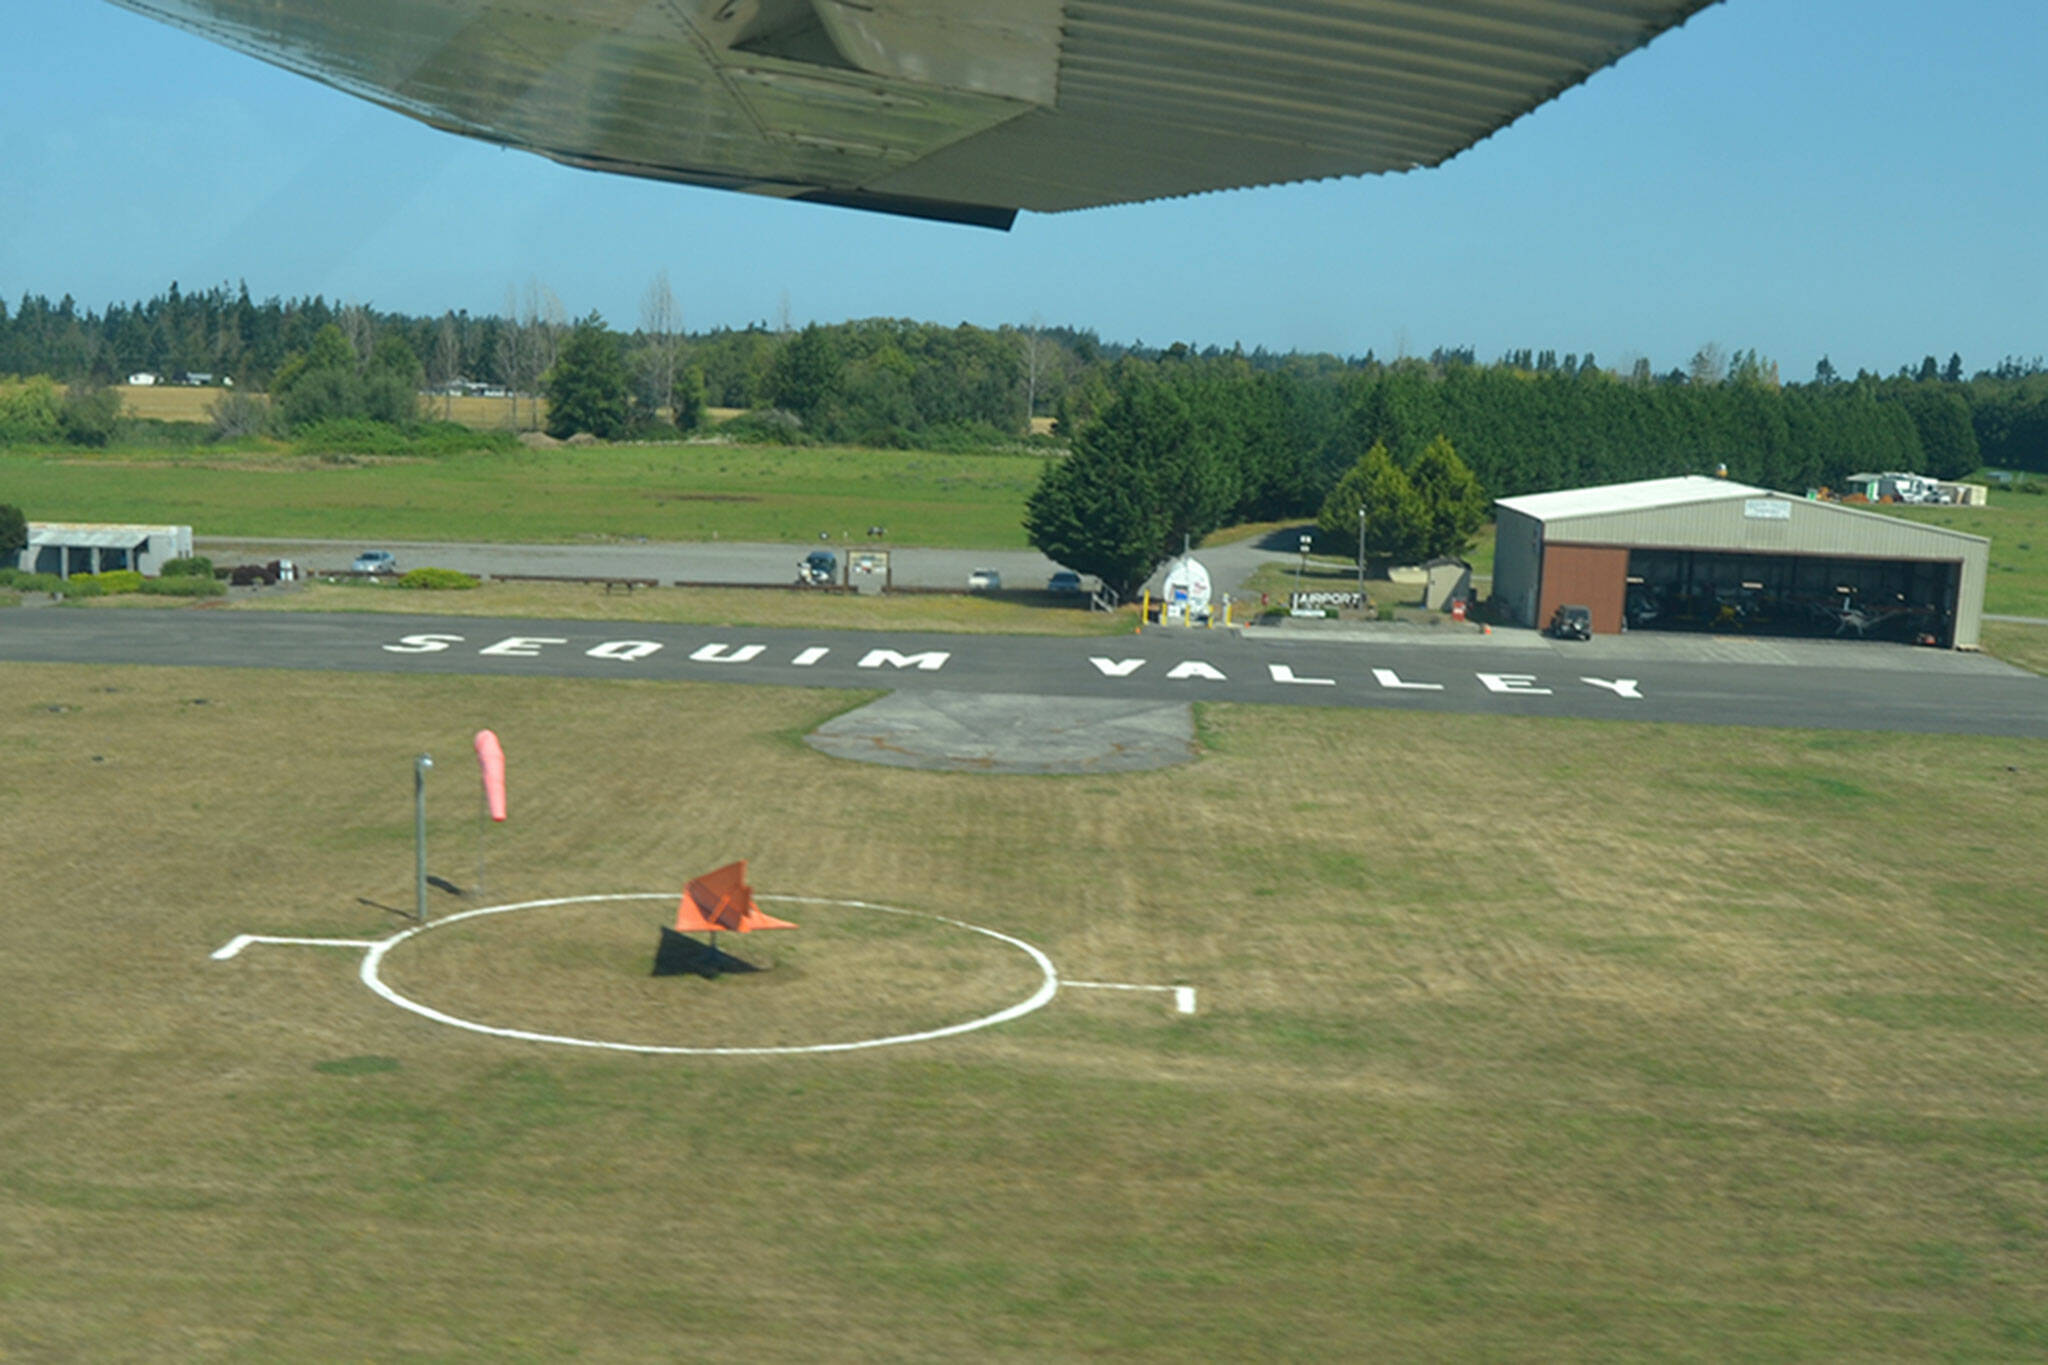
(1860, 178)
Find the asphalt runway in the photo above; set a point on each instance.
(1519, 674)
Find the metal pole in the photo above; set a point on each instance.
(483, 810)
(1361, 556)
(419, 833)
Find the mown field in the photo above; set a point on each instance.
(676, 492)
(2017, 525)
(1011, 613)
(1571, 1041)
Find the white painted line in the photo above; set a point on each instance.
(1048, 987)
(240, 941)
(1183, 996)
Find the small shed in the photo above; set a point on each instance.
(68, 547)
(1446, 580)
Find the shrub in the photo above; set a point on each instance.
(21, 580)
(112, 582)
(80, 585)
(236, 415)
(436, 579)
(184, 585)
(188, 566)
(766, 426)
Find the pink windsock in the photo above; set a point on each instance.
(490, 756)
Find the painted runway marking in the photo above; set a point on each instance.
(377, 949)
(1183, 996)
(240, 941)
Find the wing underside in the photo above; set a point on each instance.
(966, 110)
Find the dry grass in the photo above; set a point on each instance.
(1518, 1040)
(977, 614)
(168, 402)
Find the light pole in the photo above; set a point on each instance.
(1361, 556)
(419, 833)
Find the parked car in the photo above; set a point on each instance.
(1571, 623)
(1065, 581)
(818, 567)
(375, 561)
(984, 580)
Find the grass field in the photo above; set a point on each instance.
(678, 492)
(2017, 525)
(978, 614)
(2025, 645)
(1575, 1041)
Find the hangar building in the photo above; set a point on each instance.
(1694, 553)
(68, 547)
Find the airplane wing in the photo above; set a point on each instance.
(960, 110)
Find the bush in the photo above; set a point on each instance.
(111, 583)
(358, 436)
(21, 580)
(89, 414)
(236, 415)
(436, 580)
(80, 586)
(188, 566)
(766, 427)
(184, 585)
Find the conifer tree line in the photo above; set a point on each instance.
(1279, 429)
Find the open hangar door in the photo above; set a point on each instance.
(1912, 601)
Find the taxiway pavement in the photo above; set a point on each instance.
(1519, 674)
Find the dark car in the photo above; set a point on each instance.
(818, 567)
(1571, 623)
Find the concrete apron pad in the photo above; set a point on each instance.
(1007, 733)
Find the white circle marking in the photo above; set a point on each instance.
(1048, 986)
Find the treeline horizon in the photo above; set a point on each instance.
(1528, 420)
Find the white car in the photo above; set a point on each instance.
(984, 580)
(376, 562)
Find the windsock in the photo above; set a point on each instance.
(490, 756)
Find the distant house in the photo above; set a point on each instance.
(142, 379)
(198, 379)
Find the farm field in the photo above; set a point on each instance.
(1577, 1041)
(675, 492)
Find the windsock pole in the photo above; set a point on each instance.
(483, 812)
(419, 834)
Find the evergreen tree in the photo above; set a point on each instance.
(687, 400)
(13, 531)
(1137, 484)
(1453, 503)
(587, 387)
(1396, 522)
